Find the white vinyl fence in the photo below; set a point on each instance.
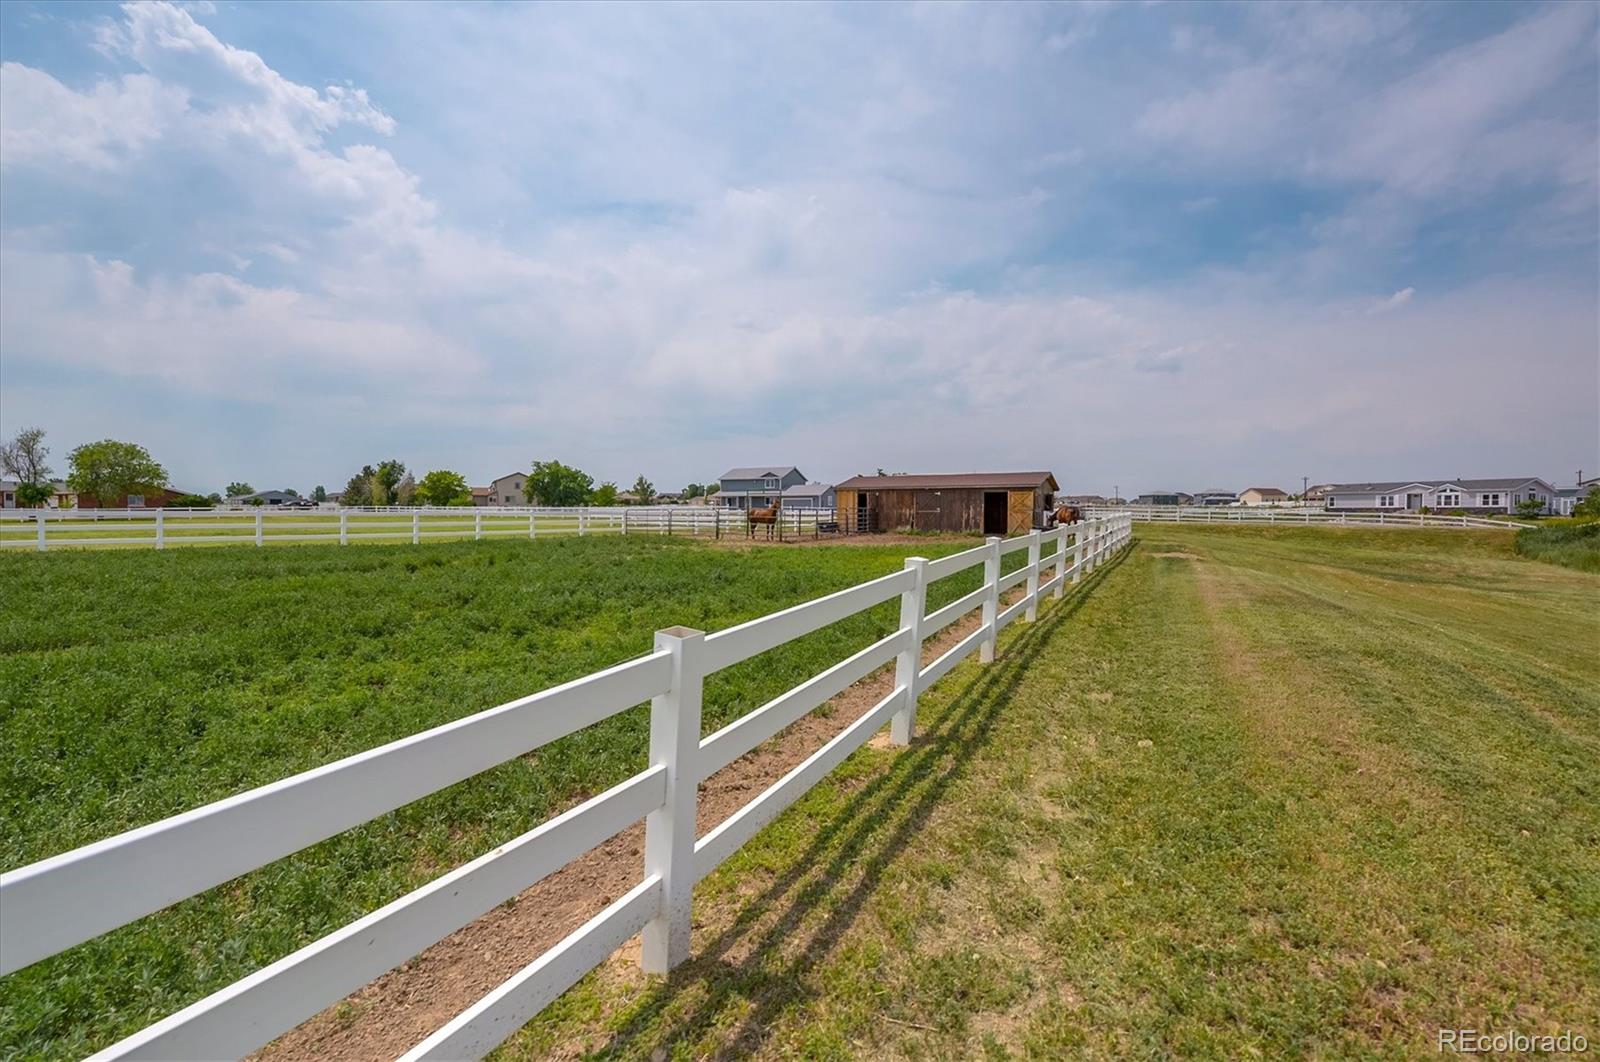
(45, 529)
(1206, 514)
(59, 902)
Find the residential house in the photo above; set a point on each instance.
(1215, 496)
(1164, 497)
(1567, 498)
(482, 495)
(1083, 501)
(507, 490)
(991, 503)
(810, 496)
(264, 497)
(61, 496)
(1468, 495)
(756, 487)
(1263, 496)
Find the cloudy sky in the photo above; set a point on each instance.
(1145, 246)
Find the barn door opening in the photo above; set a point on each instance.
(863, 523)
(994, 512)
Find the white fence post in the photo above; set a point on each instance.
(624, 521)
(991, 601)
(38, 518)
(1032, 612)
(477, 526)
(161, 529)
(344, 528)
(582, 514)
(669, 829)
(1061, 563)
(913, 606)
(531, 532)
(261, 528)
(416, 528)
(1077, 551)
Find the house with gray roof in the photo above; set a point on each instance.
(809, 496)
(1468, 495)
(757, 486)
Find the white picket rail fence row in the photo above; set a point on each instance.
(62, 901)
(263, 526)
(1206, 514)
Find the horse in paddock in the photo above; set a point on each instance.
(768, 516)
(1068, 514)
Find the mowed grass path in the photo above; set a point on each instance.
(137, 684)
(1249, 792)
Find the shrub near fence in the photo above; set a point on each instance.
(59, 902)
(45, 529)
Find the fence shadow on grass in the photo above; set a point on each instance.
(874, 829)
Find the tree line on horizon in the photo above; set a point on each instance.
(109, 469)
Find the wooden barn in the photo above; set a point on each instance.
(989, 503)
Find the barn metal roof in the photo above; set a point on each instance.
(759, 472)
(953, 481)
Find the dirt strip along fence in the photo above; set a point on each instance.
(57, 903)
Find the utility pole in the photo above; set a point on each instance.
(1305, 485)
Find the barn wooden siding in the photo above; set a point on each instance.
(956, 510)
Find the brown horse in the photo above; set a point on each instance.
(1068, 514)
(768, 516)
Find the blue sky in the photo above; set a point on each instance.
(1147, 246)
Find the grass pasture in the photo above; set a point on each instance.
(1249, 791)
(1258, 793)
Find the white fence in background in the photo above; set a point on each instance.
(44, 529)
(1206, 514)
(59, 902)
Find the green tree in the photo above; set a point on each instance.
(25, 458)
(442, 487)
(191, 501)
(644, 490)
(236, 488)
(319, 494)
(1590, 506)
(604, 494)
(33, 495)
(693, 490)
(553, 483)
(109, 469)
(375, 486)
(1529, 507)
(357, 491)
(405, 492)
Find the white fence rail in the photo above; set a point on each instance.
(45, 529)
(54, 904)
(1206, 514)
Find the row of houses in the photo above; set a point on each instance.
(1215, 496)
(1502, 495)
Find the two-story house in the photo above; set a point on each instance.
(507, 490)
(757, 487)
